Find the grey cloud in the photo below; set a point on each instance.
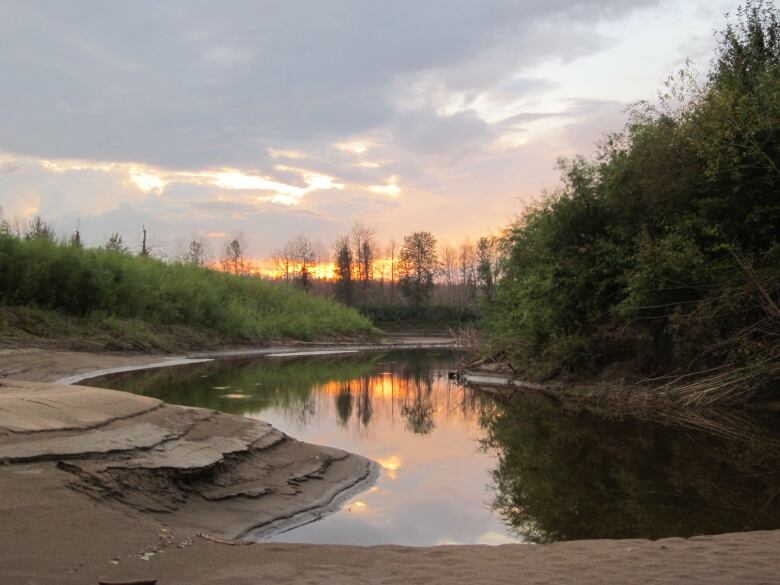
(424, 130)
(9, 168)
(204, 85)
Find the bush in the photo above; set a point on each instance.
(113, 284)
(667, 241)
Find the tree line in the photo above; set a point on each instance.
(660, 255)
(361, 271)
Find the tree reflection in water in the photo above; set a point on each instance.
(565, 477)
(344, 404)
(557, 476)
(408, 383)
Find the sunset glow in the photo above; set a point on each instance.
(447, 128)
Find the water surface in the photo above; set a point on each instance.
(458, 467)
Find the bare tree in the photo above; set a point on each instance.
(284, 261)
(38, 229)
(233, 258)
(144, 247)
(304, 258)
(449, 269)
(321, 254)
(363, 250)
(392, 255)
(467, 267)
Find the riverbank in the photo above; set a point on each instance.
(57, 534)
(59, 363)
(642, 402)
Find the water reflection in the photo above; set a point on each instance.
(564, 477)
(460, 468)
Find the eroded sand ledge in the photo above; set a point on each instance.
(186, 463)
(204, 470)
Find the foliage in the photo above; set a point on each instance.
(418, 265)
(343, 268)
(662, 251)
(101, 283)
(385, 316)
(233, 259)
(115, 243)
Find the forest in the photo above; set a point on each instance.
(658, 259)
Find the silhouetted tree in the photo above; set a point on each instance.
(195, 253)
(75, 240)
(363, 253)
(233, 259)
(284, 260)
(392, 257)
(303, 256)
(144, 247)
(38, 229)
(417, 267)
(343, 269)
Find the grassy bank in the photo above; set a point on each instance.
(70, 289)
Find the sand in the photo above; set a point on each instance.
(99, 484)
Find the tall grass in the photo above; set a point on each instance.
(112, 284)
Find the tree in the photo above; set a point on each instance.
(5, 227)
(449, 269)
(195, 254)
(38, 229)
(115, 243)
(343, 269)
(392, 252)
(75, 240)
(304, 258)
(418, 265)
(485, 270)
(284, 261)
(144, 247)
(363, 246)
(233, 259)
(467, 269)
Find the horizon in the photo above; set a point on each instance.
(200, 124)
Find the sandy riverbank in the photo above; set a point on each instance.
(82, 519)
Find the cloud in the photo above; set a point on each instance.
(9, 168)
(280, 117)
(187, 88)
(424, 130)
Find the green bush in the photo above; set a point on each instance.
(430, 315)
(115, 285)
(664, 248)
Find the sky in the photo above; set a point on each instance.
(277, 118)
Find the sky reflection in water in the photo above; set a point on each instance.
(547, 476)
(398, 409)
